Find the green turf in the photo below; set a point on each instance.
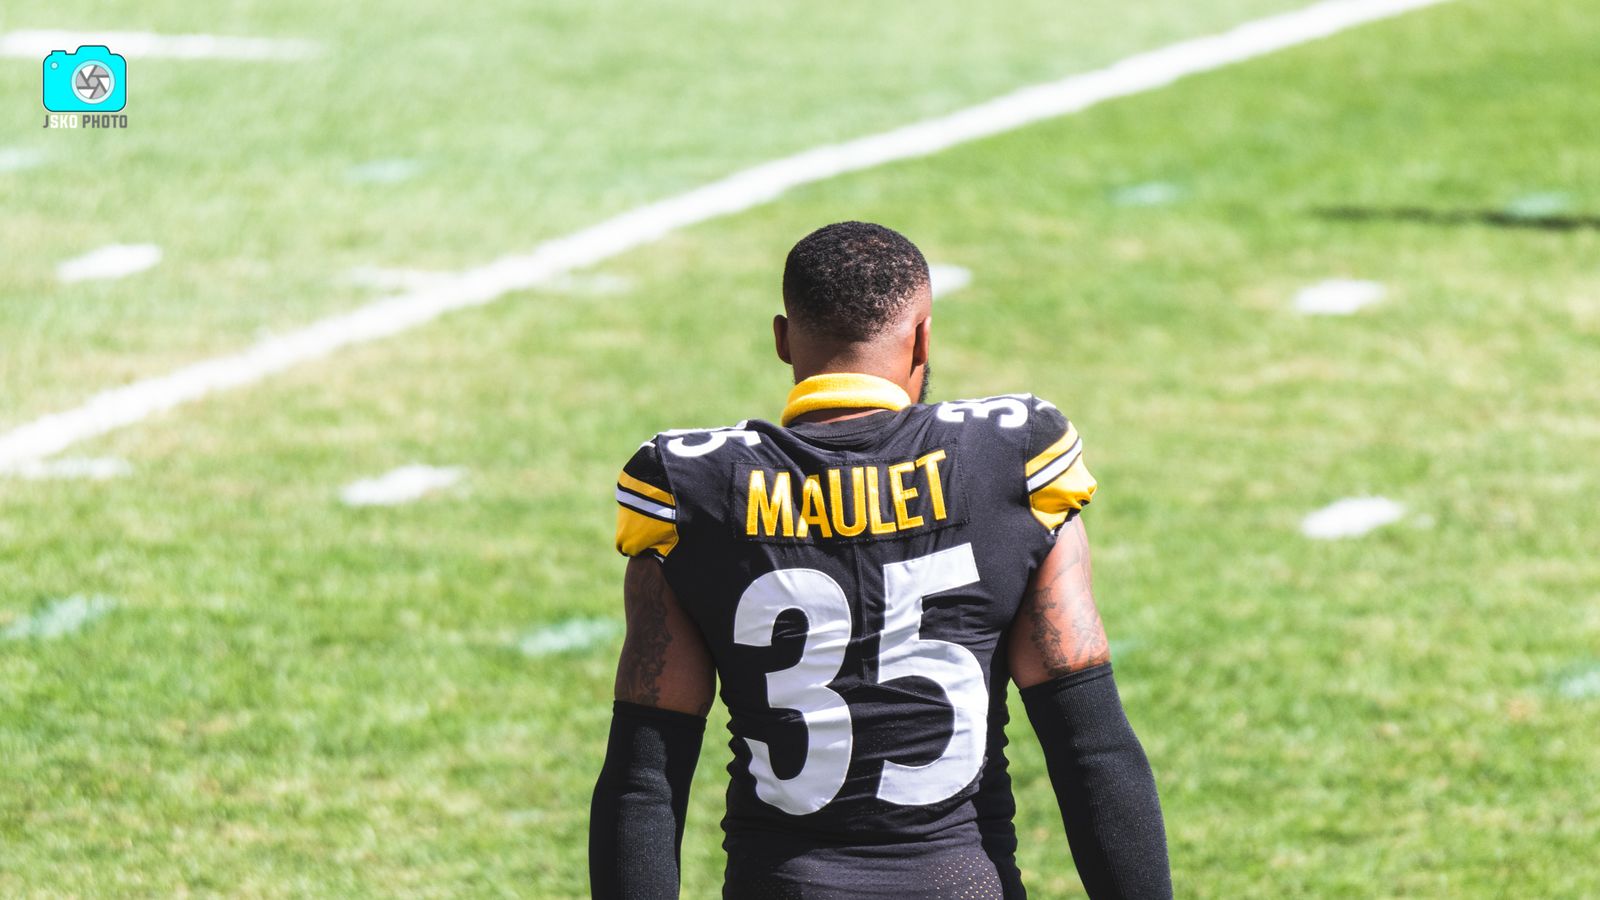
(527, 122)
(294, 697)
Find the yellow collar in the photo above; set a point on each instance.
(843, 390)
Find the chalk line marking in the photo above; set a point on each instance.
(92, 468)
(948, 278)
(1338, 297)
(1150, 193)
(1538, 205)
(1581, 685)
(402, 485)
(37, 43)
(16, 159)
(384, 171)
(109, 262)
(119, 407)
(1351, 517)
(563, 637)
(60, 618)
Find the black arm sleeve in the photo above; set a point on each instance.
(1104, 784)
(636, 819)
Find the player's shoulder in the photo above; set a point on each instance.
(647, 511)
(1040, 439)
(1020, 416)
(666, 467)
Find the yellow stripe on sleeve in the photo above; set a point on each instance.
(645, 489)
(638, 533)
(1068, 492)
(1053, 451)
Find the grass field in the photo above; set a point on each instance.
(282, 695)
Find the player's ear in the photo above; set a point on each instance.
(921, 341)
(780, 338)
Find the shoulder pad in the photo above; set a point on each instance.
(1059, 484)
(647, 513)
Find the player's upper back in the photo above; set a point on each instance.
(761, 490)
(862, 573)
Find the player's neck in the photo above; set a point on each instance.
(850, 410)
(824, 416)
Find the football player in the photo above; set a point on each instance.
(863, 577)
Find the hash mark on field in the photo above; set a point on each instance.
(1337, 297)
(108, 262)
(1150, 193)
(93, 468)
(1581, 685)
(563, 637)
(59, 618)
(1540, 205)
(15, 159)
(947, 279)
(1148, 71)
(36, 44)
(1351, 517)
(402, 485)
(384, 171)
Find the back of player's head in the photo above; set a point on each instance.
(851, 280)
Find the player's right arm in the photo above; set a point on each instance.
(1061, 661)
(665, 681)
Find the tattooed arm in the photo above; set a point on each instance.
(1057, 630)
(1062, 661)
(664, 662)
(664, 685)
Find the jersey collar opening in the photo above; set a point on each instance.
(843, 390)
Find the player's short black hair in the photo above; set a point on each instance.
(850, 280)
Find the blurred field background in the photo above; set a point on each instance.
(217, 677)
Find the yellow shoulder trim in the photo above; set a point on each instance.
(638, 533)
(843, 390)
(1068, 492)
(645, 488)
(1049, 455)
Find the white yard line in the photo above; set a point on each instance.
(948, 278)
(1539, 205)
(1581, 685)
(402, 485)
(1351, 517)
(109, 262)
(1338, 297)
(1149, 193)
(59, 618)
(384, 171)
(16, 159)
(572, 634)
(38, 43)
(1136, 74)
(91, 468)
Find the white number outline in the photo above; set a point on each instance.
(804, 686)
(715, 439)
(1013, 412)
(903, 653)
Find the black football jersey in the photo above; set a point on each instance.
(854, 582)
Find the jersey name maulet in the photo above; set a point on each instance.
(853, 594)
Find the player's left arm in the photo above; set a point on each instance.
(664, 687)
(665, 682)
(1061, 660)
